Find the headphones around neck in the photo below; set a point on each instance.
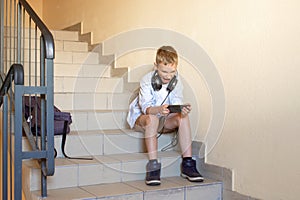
(156, 82)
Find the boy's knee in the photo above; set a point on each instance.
(180, 120)
(151, 120)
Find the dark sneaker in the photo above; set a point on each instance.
(189, 171)
(153, 173)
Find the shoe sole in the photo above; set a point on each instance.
(193, 179)
(153, 182)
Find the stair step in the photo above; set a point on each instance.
(87, 143)
(92, 101)
(76, 57)
(11, 43)
(103, 169)
(57, 34)
(98, 120)
(104, 142)
(73, 46)
(72, 70)
(68, 84)
(175, 188)
(82, 70)
(88, 84)
(69, 57)
(65, 35)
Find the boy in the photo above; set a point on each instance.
(149, 114)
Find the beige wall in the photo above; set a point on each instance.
(37, 5)
(255, 45)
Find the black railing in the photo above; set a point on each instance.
(16, 75)
(27, 46)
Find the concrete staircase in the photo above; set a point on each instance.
(97, 96)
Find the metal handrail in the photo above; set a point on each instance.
(48, 38)
(44, 151)
(16, 74)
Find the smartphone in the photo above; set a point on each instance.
(176, 108)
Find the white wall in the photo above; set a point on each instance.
(255, 46)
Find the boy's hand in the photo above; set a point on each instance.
(186, 109)
(164, 109)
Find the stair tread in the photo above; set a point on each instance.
(106, 132)
(135, 188)
(102, 159)
(104, 142)
(102, 132)
(97, 110)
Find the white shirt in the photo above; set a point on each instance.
(148, 98)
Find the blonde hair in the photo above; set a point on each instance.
(166, 55)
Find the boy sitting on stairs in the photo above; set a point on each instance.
(149, 113)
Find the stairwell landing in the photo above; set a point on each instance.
(97, 96)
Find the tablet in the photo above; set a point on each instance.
(176, 108)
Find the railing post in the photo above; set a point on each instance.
(4, 148)
(19, 15)
(50, 115)
(1, 36)
(18, 142)
(42, 128)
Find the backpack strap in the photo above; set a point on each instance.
(63, 142)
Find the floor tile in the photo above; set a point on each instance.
(67, 194)
(165, 184)
(209, 192)
(167, 190)
(115, 189)
(184, 182)
(208, 189)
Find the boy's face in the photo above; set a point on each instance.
(166, 71)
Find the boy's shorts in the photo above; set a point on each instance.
(160, 127)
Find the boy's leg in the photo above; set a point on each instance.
(174, 121)
(185, 137)
(153, 168)
(188, 165)
(148, 124)
(189, 170)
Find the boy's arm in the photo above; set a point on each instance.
(145, 95)
(163, 110)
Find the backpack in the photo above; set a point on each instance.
(62, 121)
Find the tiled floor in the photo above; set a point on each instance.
(175, 188)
